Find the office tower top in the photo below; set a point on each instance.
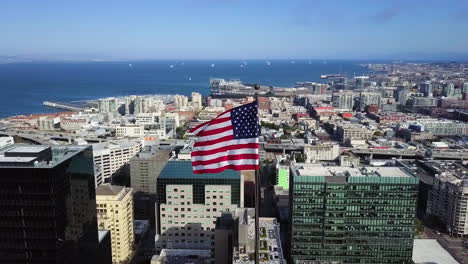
(48, 205)
(349, 215)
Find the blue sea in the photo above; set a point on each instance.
(24, 86)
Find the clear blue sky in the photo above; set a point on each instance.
(191, 29)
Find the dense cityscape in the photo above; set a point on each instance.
(353, 169)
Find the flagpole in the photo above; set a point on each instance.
(257, 194)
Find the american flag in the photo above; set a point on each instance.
(230, 141)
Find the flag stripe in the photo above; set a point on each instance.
(213, 137)
(225, 158)
(214, 141)
(225, 148)
(220, 154)
(228, 167)
(214, 131)
(219, 125)
(226, 163)
(224, 141)
(224, 116)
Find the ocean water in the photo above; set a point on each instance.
(24, 86)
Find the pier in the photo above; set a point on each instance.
(63, 106)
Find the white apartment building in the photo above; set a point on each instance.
(48, 123)
(197, 100)
(181, 100)
(115, 213)
(125, 131)
(111, 156)
(321, 152)
(448, 198)
(185, 225)
(148, 118)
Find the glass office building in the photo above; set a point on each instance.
(48, 205)
(352, 215)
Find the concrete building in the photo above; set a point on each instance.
(345, 132)
(185, 256)
(129, 131)
(129, 105)
(426, 88)
(148, 118)
(188, 205)
(343, 100)
(112, 156)
(48, 205)
(171, 121)
(72, 124)
(108, 105)
(197, 100)
(351, 215)
(115, 213)
(235, 238)
(369, 98)
(145, 168)
(321, 152)
(181, 100)
(401, 95)
(6, 141)
(48, 123)
(448, 197)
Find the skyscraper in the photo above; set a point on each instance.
(352, 215)
(426, 88)
(48, 205)
(368, 98)
(115, 213)
(343, 100)
(145, 168)
(188, 205)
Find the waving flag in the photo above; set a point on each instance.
(230, 141)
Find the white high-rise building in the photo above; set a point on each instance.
(107, 105)
(188, 205)
(368, 98)
(181, 100)
(343, 100)
(197, 100)
(112, 155)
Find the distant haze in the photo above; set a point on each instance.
(233, 29)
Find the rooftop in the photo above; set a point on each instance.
(31, 156)
(181, 169)
(329, 171)
(429, 251)
(192, 256)
(108, 190)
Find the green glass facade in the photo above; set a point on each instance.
(283, 178)
(352, 219)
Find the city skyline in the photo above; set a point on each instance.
(235, 29)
